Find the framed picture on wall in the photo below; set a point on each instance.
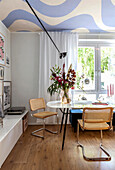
(6, 95)
(2, 49)
(1, 73)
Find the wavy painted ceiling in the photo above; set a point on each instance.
(59, 15)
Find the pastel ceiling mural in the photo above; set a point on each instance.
(59, 15)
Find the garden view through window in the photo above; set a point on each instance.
(107, 66)
(86, 68)
(95, 69)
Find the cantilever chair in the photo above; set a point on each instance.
(38, 104)
(95, 119)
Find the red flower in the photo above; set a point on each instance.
(72, 87)
(74, 75)
(59, 80)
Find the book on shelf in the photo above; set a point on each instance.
(100, 103)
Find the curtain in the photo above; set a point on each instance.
(49, 56)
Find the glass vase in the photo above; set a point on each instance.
(65, 97)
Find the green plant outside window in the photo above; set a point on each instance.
(86, 59)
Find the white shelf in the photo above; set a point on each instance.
(9, 134)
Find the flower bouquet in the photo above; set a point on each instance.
(62, 81)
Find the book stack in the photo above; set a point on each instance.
(99, 103)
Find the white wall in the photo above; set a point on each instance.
(25, 54)
(6, 33)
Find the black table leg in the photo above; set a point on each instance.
(62, 121)
(64, 130)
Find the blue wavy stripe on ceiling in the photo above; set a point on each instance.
(84, 20)
(81, 21)
(54, 11)
(108, 13)
(20, 14)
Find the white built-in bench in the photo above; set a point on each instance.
(9, 134)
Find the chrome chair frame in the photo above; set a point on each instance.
(108, 158)
(44, 126)
(45, 129)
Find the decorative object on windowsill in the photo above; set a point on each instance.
(100, 101)
(62, 82)
(87, 81)
(83, 98)
(110, 93)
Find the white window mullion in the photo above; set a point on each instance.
(98, 69)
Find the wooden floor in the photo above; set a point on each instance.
(32, 153)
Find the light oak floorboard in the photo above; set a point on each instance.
(32, 153)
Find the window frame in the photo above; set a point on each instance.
(97, 66)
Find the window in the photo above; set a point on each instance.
(86, 68)
(95, 68)
(107, 66)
